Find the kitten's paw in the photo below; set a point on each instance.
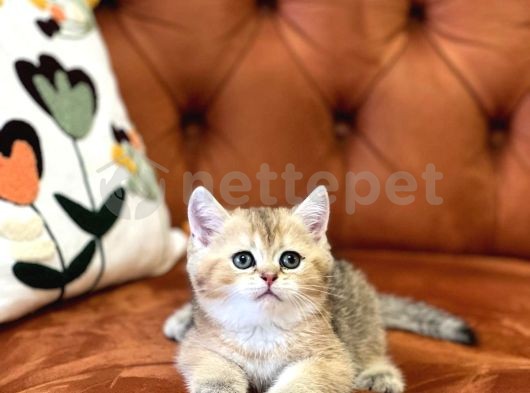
(178, 324)
(382, 377)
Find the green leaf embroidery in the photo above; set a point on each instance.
(72, 107)
(80, 263)
(38, 276)
(96, 223)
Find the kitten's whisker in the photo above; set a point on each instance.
(316, 313)
(326, 317)
(316, 308)
(317, 289)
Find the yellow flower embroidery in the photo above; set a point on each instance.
(129, 153)
(92, 3)
(41, 4)
(120, 157)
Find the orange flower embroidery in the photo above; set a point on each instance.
(19, 180)
(20, 163)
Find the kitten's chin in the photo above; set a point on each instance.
(249, 313)
(268, 296)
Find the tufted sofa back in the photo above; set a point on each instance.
(415, 114)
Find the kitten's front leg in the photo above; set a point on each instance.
(321, 374)
(207, 372)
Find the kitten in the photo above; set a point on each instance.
(274, 312)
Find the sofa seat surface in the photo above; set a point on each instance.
(113, 341)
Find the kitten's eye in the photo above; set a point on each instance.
(243, 260)
(290, 260)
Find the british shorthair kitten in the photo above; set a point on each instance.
(274, 312)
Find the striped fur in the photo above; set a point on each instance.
(422, 318)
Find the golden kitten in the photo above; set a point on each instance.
(274, 312)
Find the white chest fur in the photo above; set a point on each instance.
(259, 336)
(263, 353)
(260, 340)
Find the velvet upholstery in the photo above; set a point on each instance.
(342, 86)
(114, 342)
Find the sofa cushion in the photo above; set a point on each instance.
(114, 342)
(80, 204)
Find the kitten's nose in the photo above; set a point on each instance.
(269, 278)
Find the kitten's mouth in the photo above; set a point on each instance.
(268, 293)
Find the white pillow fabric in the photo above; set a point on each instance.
(80, 206)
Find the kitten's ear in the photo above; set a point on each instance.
(314, 212)
(205, 215)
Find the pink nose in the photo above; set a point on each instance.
(269, 278)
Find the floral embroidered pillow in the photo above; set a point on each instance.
(80, 205)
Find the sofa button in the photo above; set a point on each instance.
(343, 123)
(269, 5)
(417, 12)
(192, 122)
(499, 127)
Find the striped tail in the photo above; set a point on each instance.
(426, 320)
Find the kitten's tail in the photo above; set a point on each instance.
(421, 318)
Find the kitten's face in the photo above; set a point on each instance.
(254, 266)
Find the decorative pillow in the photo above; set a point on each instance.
(80, 206)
